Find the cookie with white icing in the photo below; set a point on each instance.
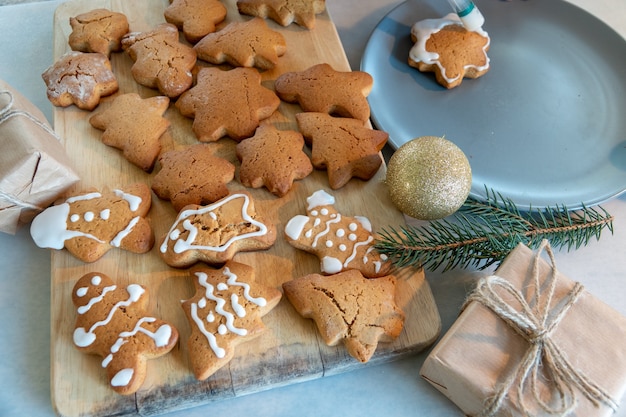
(340, 242)
(111, 322)
(216, 232)
(90, 224)
(225, 311)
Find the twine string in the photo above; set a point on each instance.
(535, 325)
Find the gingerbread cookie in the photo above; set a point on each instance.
(134, 125)
(113, 324)
(361, 312)
(88, 225)
(225, 311)
(243, 44)
(99, 30)
(227, 103)
(80, 78)
(196, 18)
(183, 176)
(161, 61)
(445, 47)
(215, 233)
(274, 159)
(284, 12)
(322, 89)
(341, 243)
(345, 148)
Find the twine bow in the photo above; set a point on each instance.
(7, 113)
(535, 324)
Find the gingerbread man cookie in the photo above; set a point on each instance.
(284, 12)
(340, 242)
(322, 89)
(274, 159)
(88, 225)
(215, 233)
(80, 78)
(225, 311)
(99, 30)
(183, 180)
(344, 147)
(227, 103)
(113, 324)
(134, 125)
(350, 308)
(161, 61)
(196, 18)
(243, 44)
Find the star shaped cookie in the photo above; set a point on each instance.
(183, 180)
(227, 103)
(134, 125)
(99, 30)
(161, 61)
(112, 322)
(274, 159)
(80, 78)
(225, 311)
(243, 44)
(322, 89)
(284, 12)
(344, 147)
(196, 18)
(350, 308)
(216, 232)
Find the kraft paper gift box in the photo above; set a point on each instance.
(34, 167)
(493, 356)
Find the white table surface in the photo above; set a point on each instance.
(393, 389)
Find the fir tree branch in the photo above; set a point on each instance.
(482, 233)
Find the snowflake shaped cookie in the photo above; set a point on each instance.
(111, 322)
(225, 311)
(284, 12)
(350, 308)
(196, 18)
(243, 44)
(227, 103)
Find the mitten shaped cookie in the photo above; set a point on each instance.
(113, 324)
(225, 311)
(88, 225)
(340, 242)
(215, 233)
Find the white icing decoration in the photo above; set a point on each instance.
(105, 214)
(309, 233)
(188, 244)
(117, 240)
(133, 201)
(219, 352)
(340, 233)
(365, 222)
(343, 247)
(314, 213)
(210, 317)
(329, 243)
(295, 226)
(82, 291)
(49, 228)
(89, 216)
(239, 310)
(96, 280)
(324, 212)
(326, 230)
(74, 218)
(319, 198)
(353, 227)
(122, 378)
(331, 265)
(354, 249)
(83, 197)
(352, 237)
(95, 300)
(222, 286)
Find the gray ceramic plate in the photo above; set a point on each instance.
(545, 126)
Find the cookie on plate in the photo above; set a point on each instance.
(322, 89)
(79, 78)
(196, 18)
(284, 12)
(134, 125)
(225, 311)
(340, 242)
(243, 44)
(216, 232)
(112, 322)
(227, 103)
(273, 159)
(444, 46)
(347, 307)
(183, 176)
(98, 30)
(344, 147)
(89, 224)
(161, 61)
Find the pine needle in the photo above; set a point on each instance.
(482, 233)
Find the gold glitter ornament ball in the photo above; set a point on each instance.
(429, 178)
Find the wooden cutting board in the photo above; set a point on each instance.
(290, 350)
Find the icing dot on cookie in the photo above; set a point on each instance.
(105, 214)
(352, 227)
(89, 216)
(122, 378)
(309, 233)
(342, 247)
(96, 280)
(222, 287)
(211, 317)
(315, 213)
(329, 243)
(74, 218)
(82, 291)
(324, 212)
(202, 303)
(316, 222)
(340, 233)
(352, 237)
(222, 329)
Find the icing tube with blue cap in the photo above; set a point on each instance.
(469, 14)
